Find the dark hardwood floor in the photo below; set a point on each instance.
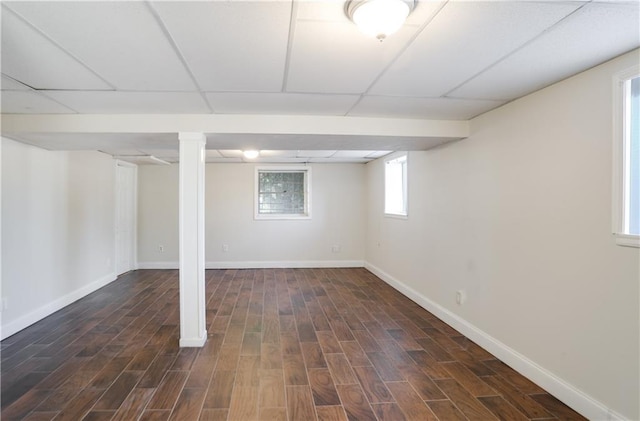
(284, 344)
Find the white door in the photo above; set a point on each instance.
(125, 216)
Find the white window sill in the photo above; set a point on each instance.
(627, 240)
(396, 216)
(280, 217)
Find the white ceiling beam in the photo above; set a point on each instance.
(225, 124)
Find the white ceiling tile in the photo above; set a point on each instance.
(279, 160)
(30, 102)
(212, 153)
(124, 152)
(315, 154)
(116, 102)
(142, 159)
(422, 108)
(335, 57)
(351, 154)
(160, 152)
(281, 103)
(9, 84)
(30, 58)
(277, 154)
(331, 11)
(462, 40)
(334, 11)
(231, 46)
(594, 34)
(222, 160)
(230, 153)
(423, 11)
(121, 41)
(338, 160)
(378, 154)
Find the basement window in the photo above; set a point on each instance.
(395, 186)
(626, 201)
(283, 193)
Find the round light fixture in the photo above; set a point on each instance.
(251, 154)
(379, 18)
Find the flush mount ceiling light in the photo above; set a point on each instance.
(379, 18)
(251, 154)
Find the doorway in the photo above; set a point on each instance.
(126, 191)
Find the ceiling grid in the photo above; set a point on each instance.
(450, 62)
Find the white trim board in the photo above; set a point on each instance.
(286, 264)
(38, 314)
(158, 265)
(571, 396)
(259, 264)
(193, 342)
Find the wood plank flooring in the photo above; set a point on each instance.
(284, 344)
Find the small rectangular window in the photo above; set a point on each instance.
(282, 193)
(627, 158)
(395, 186)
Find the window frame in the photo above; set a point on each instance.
(405, 187)
(621, 143)
(282, 169)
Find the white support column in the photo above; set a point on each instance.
(193, 331)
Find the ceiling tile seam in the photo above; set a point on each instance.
(328, 94)
(43, 94)
(60, 47)
(292, 29)
(124, 91)
(478, 114)
(514, 51)
(432, 97)
(473, 99)
(178, 53)
(398, 55)
(29, 87)
(71, 90)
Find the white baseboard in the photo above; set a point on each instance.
(194, 342)
(571, 396)
(50, 308)
(286, 264)
(158, 265)
(261, 264)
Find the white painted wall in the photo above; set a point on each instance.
(57, 230)
(338, 200)
(519, 217)
(158, 216)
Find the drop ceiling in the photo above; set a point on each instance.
(453, 60)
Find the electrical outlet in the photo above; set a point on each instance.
(160, 248)
(3, 304)
(336, 248)
(225, 248)
(460, 297)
